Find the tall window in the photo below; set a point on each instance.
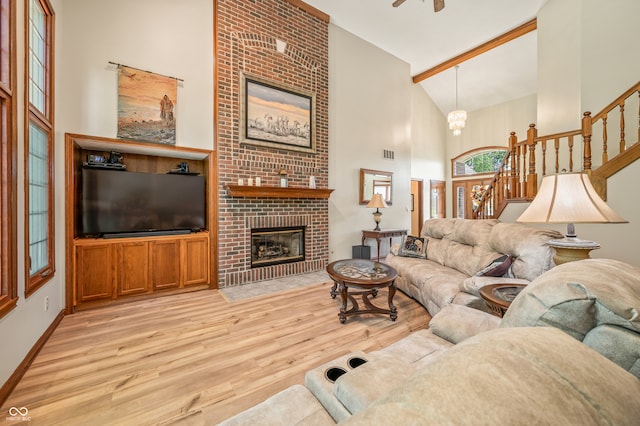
(39, 229)
(8, 149)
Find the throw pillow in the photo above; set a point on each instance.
(412, 246)
(497, 268)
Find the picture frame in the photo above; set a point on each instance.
(276, 115)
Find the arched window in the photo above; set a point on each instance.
(486, 160)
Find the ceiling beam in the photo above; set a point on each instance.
(523, 29)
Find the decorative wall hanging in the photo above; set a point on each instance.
(276, 115)
(146, 106)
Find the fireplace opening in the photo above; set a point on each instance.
(273, 246)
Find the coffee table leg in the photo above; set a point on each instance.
(343, 308)
(393, 312)
(333, 291)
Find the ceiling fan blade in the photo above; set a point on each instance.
(398, 3)
(438, 5)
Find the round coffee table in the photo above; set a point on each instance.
(498, 297)
(366, 277)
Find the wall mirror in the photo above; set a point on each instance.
(375, 182)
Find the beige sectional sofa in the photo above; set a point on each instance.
(458, 249)
(566, 352)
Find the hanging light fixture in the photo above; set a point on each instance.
(457, 118)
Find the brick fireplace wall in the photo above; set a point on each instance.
(246, 43)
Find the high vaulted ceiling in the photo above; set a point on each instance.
(416, 34)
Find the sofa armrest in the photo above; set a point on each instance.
(456, 323)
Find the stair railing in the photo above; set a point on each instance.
(517, 178)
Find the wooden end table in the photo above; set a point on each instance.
(366, 276)
(498, 297)
(383, 233)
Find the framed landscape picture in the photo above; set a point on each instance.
(275, 115)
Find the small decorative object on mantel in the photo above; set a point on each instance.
(258, 181)
(312, 182)
(284, 180)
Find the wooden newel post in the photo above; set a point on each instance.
(586, 140)
(532, 177)
(513, 178)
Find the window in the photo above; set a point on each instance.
(8, 150)
(39, 230)
(484, 160)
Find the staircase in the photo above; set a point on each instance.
(518, 176)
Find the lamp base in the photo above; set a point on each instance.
(377, 216)
(570, 249)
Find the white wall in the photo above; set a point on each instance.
(609, 61)
(559, 66)
(369, 111)
(161, 36)
(428, 143)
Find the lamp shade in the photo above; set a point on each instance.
(568, 198)
(377, 202)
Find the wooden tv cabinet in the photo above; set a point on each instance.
(101, 271)
(113, 268)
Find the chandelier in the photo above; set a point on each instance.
(457, 118)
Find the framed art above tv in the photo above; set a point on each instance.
(276, 115)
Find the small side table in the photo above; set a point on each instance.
(498, 297)
(568, 252)
(383, 233)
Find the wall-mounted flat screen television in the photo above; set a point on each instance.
(119, 203)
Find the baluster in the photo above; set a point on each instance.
(570, 153)
(523, 171)
(544, 157)
(532, 178)
(605, 154)
(623, 145)
(586, 140)
(513, 179)
(556, 142)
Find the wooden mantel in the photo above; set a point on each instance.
(277, 192)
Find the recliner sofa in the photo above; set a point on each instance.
(458, 250)
(566, 352)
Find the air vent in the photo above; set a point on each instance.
(389, 154)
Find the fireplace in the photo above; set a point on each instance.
(273, 246)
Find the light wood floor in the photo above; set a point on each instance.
(194, 358)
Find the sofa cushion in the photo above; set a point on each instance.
(455, 323)
(531, 255)
(512, 376)
(371, 381)
(438, 228)
(595, 300)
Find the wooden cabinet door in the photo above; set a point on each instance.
(95, 272)
(165, 263)
(133, 268)
(195, 261)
